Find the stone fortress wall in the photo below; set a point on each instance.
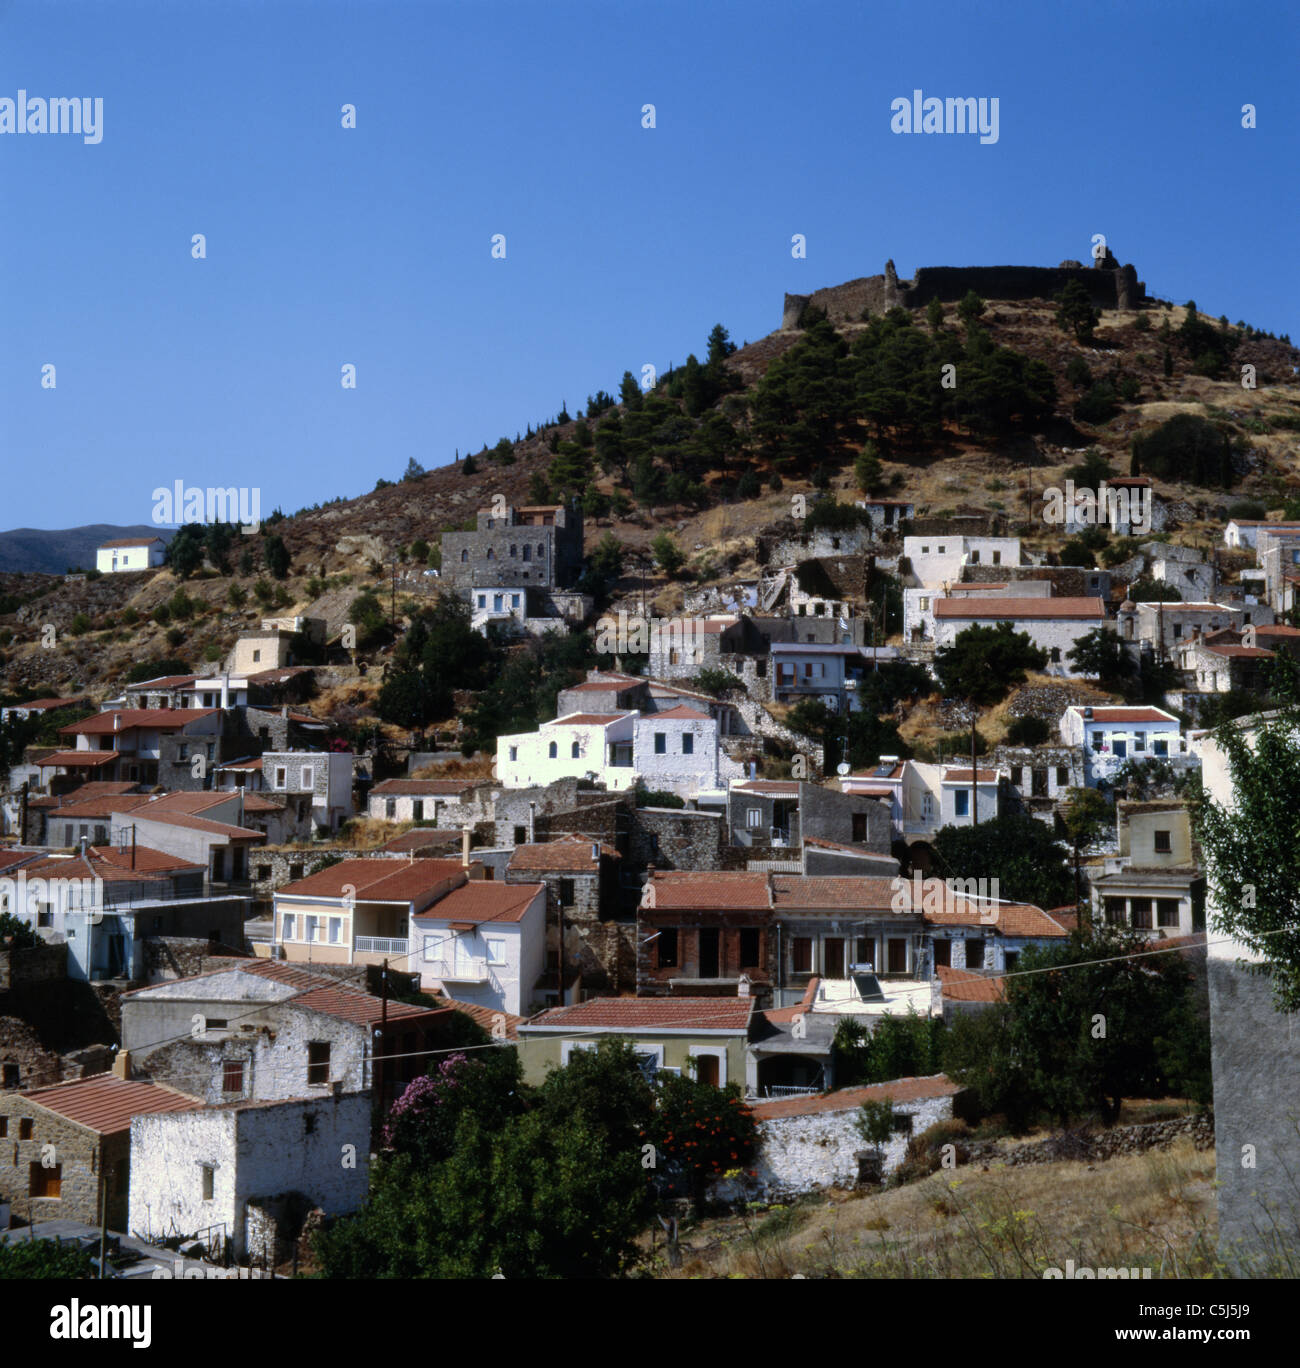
(1110, 286)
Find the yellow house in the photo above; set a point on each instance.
(359, 911)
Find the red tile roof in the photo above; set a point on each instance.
(482, 900)
(686, 889)
(192, 823)
(98, 788)
(46, 704)
(848, 849)
(863, 893)
(850, 1099)
(486, 1017)
(129, 541)
(569, 852)
(1241, 652)
(1126, 714)
(437, 787)
(141, 859)
(162, 682)
(78, 759)
(106, 1103)
(422, 838)
(1050, 609)
(124, 719)
(649, 1014)
(962, 776)
(681, 712)
(962, 985)
(377, 880)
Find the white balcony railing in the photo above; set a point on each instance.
(469, 970)
(380, 945)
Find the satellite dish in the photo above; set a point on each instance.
(843, 767)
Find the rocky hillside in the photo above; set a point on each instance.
(715, 508)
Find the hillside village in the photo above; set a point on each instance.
(796, 702)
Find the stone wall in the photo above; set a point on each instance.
(21, 1048)
(800, 1154)
(76, 1152)
(36, 964)
(673, 838)
(1108, 1144)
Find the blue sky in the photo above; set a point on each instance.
(372, 246)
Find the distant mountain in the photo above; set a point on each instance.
(51, 553)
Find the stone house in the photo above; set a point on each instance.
(262, 1030)
(1243, 532)
(581, 878)
(781, 812)
(60, 1145)
(701, 1036)
(1164, 625)
(248, 1172)
(322, 777)
(1154, 882)
(126, 744)
(1040, 777)
(1222, 662)
(887, 515)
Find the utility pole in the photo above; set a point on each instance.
(383, 1027)
(23, 820)
(974, 773)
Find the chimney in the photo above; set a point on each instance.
(122, 1065)
(532, 823)
(464, 847)
(225, 690)
(84, 841)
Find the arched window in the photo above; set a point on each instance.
(491, 555)
(464, 556)
(541, 550)
(528, 552)
(577, 750)
(553, 752)
(513, 549)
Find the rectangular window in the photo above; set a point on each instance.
(4, 1125)
(232, 1076)
(336, 930)
(1142, 913)
(496, 949)
(1009, 961)
(1160, 746)
(318, 1061)
(859, 824)
(287, 926)
(566, 892)
(1139, 741)
(1115, 911)
(667, 944)
(45, 1182)
(975, 952)
(417, 809)
(688, 744)
(801, 955)
(209, 1180)
(749, 947)
(997, 558)
(961, 803)
(1163, 843)
(753, 817)
(924, 605)
(1062, 776)
(309, 927)
(281, 776)
(1166, 911)
(10, 1080)
(521, 833)
(661, 743)
(974, 557)
(24, 1127)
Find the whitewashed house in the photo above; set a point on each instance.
(1054, 625)
(129, 553)
(219, 1168)
(676, 749)
(1111, 736)
(483, 943)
